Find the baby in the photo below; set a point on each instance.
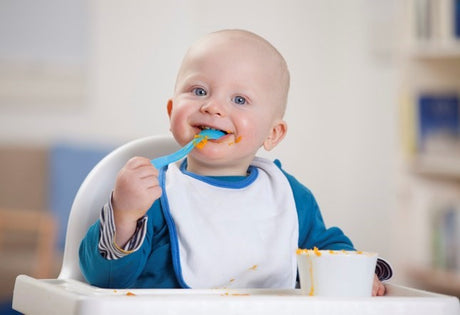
(222, 217)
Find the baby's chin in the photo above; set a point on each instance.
(217, 164)
(207, 155)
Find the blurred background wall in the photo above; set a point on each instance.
(96, 74)
(100, 72)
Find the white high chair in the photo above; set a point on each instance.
(70, 294)
(94, 192)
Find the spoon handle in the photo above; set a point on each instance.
(206, 134)
(161, 161)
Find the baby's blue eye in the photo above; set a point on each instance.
(199, 92)
(239, 100)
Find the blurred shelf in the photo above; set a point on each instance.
(446, 167)
(430, 180)
(435, 50)
(441, 281)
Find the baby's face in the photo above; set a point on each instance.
(231, 84)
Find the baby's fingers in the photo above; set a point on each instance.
(137, 162)
(149, 180)
(378, 288)
(146, 171)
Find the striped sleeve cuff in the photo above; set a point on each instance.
(383, 269)
(107, 246)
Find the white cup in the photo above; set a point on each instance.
(336, 273)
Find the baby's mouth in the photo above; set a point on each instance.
(202, 127)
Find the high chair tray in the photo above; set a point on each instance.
(59, 296)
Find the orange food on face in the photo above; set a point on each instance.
(202, 143)
(236, 141)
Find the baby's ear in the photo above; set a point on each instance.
(277, 134)
(169, 107)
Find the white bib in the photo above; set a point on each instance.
(234, 235)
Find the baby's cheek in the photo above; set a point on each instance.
(180, 130)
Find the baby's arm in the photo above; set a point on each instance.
(110, 273)
(136, 188)
(313, 232)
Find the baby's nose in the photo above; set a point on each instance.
(214, 107)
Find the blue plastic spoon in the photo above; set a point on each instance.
(205, 134)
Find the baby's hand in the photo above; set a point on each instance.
(136, 188)
(378, 288)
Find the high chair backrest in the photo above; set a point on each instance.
(95, 191)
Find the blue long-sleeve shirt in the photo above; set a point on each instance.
(151, 265)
